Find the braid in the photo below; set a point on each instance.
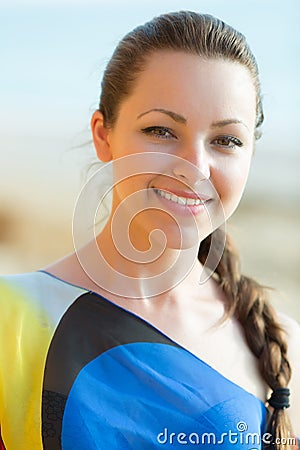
(249, 303)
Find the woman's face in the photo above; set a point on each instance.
(195, 117)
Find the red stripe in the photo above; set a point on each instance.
(1, 443)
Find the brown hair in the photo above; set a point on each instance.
(209, 37)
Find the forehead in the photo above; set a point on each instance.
(177, 79)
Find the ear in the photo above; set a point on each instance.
(101, 137)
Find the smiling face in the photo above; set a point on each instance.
(201, 115)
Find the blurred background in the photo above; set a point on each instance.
(52, 57)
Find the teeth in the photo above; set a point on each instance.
(179, 200)
(192, 201)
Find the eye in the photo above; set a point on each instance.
(159, 132)
(227, 142)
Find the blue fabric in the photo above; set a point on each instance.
(151, 395)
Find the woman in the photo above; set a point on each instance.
(119, 345)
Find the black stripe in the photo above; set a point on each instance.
(91, 326)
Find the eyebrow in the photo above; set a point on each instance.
(223, 123)
(173, 115)
(179, 118)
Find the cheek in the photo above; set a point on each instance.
(230, 180)
(131, 189)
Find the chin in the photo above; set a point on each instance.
(188, 239)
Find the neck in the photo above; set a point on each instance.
(138, 271)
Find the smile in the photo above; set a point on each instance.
(185, 201)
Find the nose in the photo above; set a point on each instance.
(193, 165)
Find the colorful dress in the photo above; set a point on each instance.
(79, 372)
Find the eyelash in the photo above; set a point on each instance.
(155, 129)
(168, 134)
(235, 142)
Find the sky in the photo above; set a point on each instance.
(52, 57)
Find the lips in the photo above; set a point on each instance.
(182, 198)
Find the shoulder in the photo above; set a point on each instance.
(292, 330)
(13, 291)
(36, 292)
